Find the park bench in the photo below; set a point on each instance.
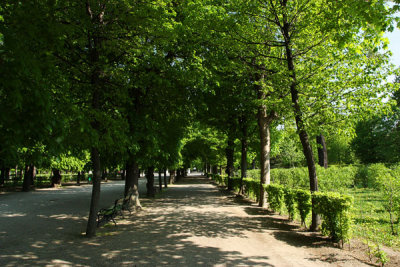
(108, 214)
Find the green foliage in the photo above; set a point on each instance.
(251, 188)
(275, 196)
(303, 199)
(67, 162)
(335, 211)
(290, 201)
(336, 178)
(378, 138)
(339, 149)
(374, 248)
(368, 176)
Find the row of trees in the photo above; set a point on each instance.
(159, 84)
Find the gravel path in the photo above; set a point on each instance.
(190, 224)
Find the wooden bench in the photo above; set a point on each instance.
(108, 214)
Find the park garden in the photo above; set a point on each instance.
(261, 92)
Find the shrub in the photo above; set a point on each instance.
(335, 212)
(367, 176)
(290, 199)
(336, 178)
(275, 196)
(251, 188)
(303, 199)
(235, 183)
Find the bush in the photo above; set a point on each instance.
(335, 212)
(367, 176)
(275, 196)
(253, 174)
(290, 200)
(336, 178)
(251, 188)
(303, 199)
(235, 183)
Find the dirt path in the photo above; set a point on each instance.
(191, 224)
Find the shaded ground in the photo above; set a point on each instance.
(190, 224)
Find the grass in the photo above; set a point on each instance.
(371, 220)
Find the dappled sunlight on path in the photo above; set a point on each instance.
(191, 223)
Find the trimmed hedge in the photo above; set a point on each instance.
(333, 207)
(303, 200)
(275, 196)
(335, 212)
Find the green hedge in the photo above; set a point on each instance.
(335, 212)
(332, 179)
(303, 201)
(333, 207)
(275, 197)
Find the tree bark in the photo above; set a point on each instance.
(56, 178)
(132, 181)
(28, 177)
(171, 176)
(94, 202)
(159, 180)
(307, 149)
(2, 176)
(150, 182)
(78, 178)
(243, 162)
(322, 151)
(229, 152)
(165, 178)
(264, 120)
(95, 42)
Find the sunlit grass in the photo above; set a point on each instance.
(371, 220)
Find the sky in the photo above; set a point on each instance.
(394, 45)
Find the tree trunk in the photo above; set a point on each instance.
(171, 176)
(56, 178)
(2, 176)
(28, 177)
(159, 180)
(264, 120)
(33, 176)
(94, 202)
(78, 179)
(16, 173)
(243, 162)
(214, 169)
(265, 141)
(132, 181)
(104, 175)
(322, 151)
(165, 178)
(7, 174)
(150, 182)
(307, 150)
(229, 152)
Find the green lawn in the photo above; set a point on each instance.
(370, 217)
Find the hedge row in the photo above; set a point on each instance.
(333, 207)
(332, 179)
